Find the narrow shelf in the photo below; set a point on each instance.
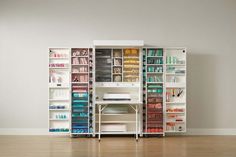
(175, 102)
(117, 65)
(130, 57)
(59, 132)
(58, 67)
(59, 109)
(79, 101)
(131, 77)
(175, 74)
(173, 131)
(102, 57)
(104, 65)
(79, 73)
(175, 87)
(79, 82)
(154, 56)
(59, 100)
(175, 112)
(131, 63)
(79, 92)
(116, 114)
(154, 82)
(117, 132)
(153, 133)
(58, 57)
(79, 107)
(59, 119)
(103, 122)
(84, 133)
(79, 64)
(175, 64)
(154, 72)
(118, 102)
(60, 87)
(176, 122)
(79, 56)
(131, 72)
(154, 64)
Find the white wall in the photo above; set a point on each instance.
(206, 27)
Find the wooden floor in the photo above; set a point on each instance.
(182, 146)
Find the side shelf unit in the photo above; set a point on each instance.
(153, 67)
(175, 114)
(59, 90)
(80, 91)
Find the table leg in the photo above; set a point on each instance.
(136, 107)
(99, 122)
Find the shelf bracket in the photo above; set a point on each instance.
(134, 108)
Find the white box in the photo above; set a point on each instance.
(113, 128)
(115, 110)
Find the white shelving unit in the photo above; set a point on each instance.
(80, 90)
(153, 92)
(59, 90)
(175, 80)
(154, 79)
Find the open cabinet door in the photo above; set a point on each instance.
(59, 90)
(176, 91)
(153, 66)
(81, 91)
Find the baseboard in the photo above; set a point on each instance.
(44, 131)
(24, 131)
(223, 131)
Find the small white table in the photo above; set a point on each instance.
(103, 104)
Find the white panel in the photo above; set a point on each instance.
(108, 43)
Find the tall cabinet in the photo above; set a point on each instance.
(81, 88)
(59, 90)
(154, 83)
(175, 82)
(117, 87)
